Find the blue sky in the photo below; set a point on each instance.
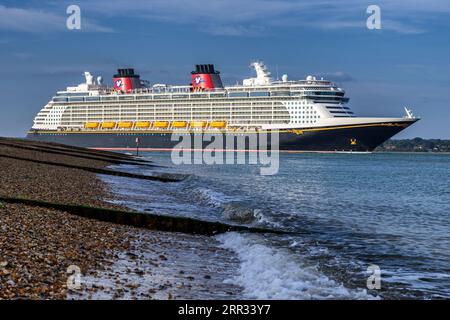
(406, 63)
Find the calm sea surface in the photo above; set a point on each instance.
(346, 211)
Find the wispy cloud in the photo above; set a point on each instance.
(22, 55)
(337, 76)
(256, 17)
(37, 20)
(403, 28)
(29, 20)
(236, 17)
(236, 30)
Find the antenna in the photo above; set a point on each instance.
(409, 113)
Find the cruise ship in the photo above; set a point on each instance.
(309, 115)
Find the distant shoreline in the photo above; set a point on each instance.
(412, 152)
(416, 145)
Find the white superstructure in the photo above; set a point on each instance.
(259, 103)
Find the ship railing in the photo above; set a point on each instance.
(187, 90)
(168, 89)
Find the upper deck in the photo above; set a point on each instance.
(318, 90)
(262, 86)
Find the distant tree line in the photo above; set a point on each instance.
(416, 145)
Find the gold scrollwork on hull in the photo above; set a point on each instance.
(353, 142)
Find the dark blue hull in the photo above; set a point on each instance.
(344, 138)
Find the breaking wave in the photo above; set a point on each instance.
(274, 273)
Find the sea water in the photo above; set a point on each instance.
(345, 212)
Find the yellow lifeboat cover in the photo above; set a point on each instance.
(198, 124)
(108, 125)
(161, 124)
(125, 124)
(179, 124)
(91, 125)
(142, 124)
(218, 124)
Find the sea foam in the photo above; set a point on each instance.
(274, 273)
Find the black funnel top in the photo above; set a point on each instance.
(204, 69)
(127, 72)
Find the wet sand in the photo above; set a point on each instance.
(37, 245)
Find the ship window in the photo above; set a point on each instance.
(76, 94)
(92, 98)
(161, 96)
(76, 99)
(259, 94)
(146, 97)
(180, 96)
(126, 97)
(280, 93)
(109, 98)
(197, 96)
(345, 112)
(214, 95)
(237, 94)
(59, 99)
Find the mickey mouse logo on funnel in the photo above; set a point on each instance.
(198, 80)
(204, 77)
(126, 80)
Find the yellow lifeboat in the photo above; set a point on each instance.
(161, 124)
(218, 124)
(91, 125)
(125, 124)
(142, 124)
(198, 124)
(179, 124)
(108, 125)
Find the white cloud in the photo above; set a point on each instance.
(34, 20)
(401, 27)
(29, 20)
(240, 17)
(338, 76)
(256, 17)
(22, 55)
(236, 30)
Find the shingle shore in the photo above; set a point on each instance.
(38, 245)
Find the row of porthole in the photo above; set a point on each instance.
(158, 134)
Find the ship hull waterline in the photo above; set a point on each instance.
(358, 138)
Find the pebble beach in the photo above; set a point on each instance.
(39, 244)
